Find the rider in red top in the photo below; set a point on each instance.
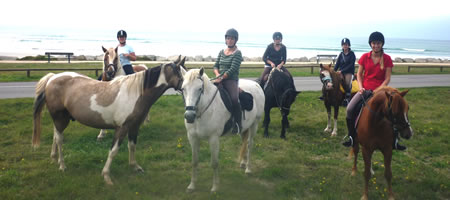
(375, 69)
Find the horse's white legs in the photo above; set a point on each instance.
(54, 148)
(195, 147)
(105, 171)
(328, 128)
(252, 133)
(58, 138)
(102, 134)
(132, 158)
(334, 133)
(214, 147)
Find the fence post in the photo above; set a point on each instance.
(28, 73)
(409, 68)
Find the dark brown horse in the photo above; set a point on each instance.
(332, 95)
(384, 114)
(122, 104)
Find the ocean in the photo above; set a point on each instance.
(20, 43)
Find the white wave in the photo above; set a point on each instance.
(415, 50)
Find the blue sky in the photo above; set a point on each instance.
(400, 19)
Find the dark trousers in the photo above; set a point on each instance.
(265, 74)
(232, 88)
(128, 69)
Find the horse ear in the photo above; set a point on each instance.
(181, 63)
(404, 93)
(116, 49)
(104, 49)
(387, 94)
(177, 60)
(201, 71)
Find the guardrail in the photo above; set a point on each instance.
(50, 69)
(426, 66)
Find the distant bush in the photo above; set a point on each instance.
(38, 57)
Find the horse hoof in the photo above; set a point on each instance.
(248, 171)
(242, 165)
(333, 134)
(138, 168)
(353, 173)
(327, 130)
(108, 180)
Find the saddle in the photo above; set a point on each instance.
(355, 86)
(367, 95)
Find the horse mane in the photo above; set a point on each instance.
(152, 75)
(192, 74)
(380, 101)
(134, 83)
(281, 80)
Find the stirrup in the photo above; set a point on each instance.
(399, 147)
(236, 129)
(348, 143)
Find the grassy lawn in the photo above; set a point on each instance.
(308, 165)
(255, 70)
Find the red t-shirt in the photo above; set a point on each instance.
(373, 75)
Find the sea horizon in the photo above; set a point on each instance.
(19, 43)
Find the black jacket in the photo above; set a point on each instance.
(346, 63)
(275, 56)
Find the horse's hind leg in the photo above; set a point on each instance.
(388, 171)
(214, 147)
(244, 149)
(60, 123)
(132, 140)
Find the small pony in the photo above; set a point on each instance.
(206, 116)
(384, 114)
(122, 103)
(333, 94)
(112, 67)
(280, 92)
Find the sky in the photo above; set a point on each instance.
(353, 18)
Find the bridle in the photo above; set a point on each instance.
(195, 107)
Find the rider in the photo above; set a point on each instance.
(226, 70)
(375, 68)
(126, 52)
(346, 65)
(274, 56)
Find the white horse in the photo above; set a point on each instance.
(206, 115)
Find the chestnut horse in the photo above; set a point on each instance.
(333, 94)
(384, 114)
(121, 103)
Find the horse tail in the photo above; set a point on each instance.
(39, 103)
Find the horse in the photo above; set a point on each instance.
(384, 114)
(333, 94)
(280, 92)
(122, 104)
(206, 116)
(112, 67)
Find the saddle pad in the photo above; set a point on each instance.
(245, 99)
(355, 87)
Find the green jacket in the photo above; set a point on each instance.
(229, 64)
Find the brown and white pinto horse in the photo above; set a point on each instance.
(112, 67)
(385, 113)
(121, 104)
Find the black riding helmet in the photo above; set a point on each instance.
(277, 35)
(345, 41)
(121, 33)
(233, 33)
(376, 36)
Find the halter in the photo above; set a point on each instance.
(195, 107)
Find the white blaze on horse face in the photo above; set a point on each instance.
(72, 74)
(192, 92)
(407, 121)
(162, 78)
(117, 112)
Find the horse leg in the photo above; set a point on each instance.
(61, 120)
(102, 134)
(214, 148)
(336, 114)
(194, 146)
(388, 171)
(355, 151)
(251, 134)
(284, 122)
(132, 141)
(266, 121)
(118, 137)
(244, 148)
(367, 155)
(328, 128)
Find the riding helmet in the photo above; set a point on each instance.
(376, 36)
(277, 35)
(233, 33)
(345, 41)
(121, 33)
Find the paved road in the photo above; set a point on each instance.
(26, 89)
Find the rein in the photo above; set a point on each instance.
(279, 104)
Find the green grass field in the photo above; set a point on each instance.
(308, 165)
(244, 73)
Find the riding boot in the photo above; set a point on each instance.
(346, 99)
(396, 145)
(350, 142)
(237, 116)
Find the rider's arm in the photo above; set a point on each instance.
(359, 76)
(132, 56)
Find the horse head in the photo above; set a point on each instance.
(192, 90)
(111, 63)
(174, 73)
(326, 76)
(397, 112)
